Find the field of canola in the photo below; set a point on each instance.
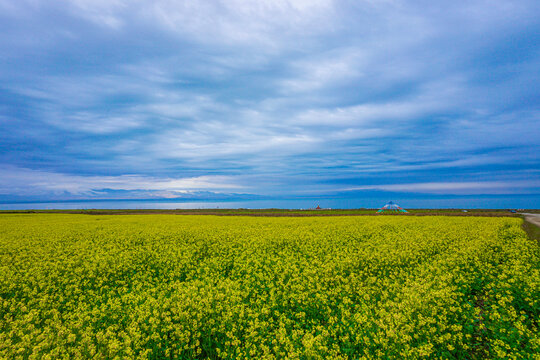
(198, 287)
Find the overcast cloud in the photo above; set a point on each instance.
(269, 98)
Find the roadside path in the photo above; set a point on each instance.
(532, 218)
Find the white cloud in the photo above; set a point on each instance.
(275, 87)
(461, 188)
(229, 22)
(337, 67)
(22, 181)
(241, 21)
(102, 12)
(364, 114)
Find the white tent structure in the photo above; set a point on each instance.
(391, 207)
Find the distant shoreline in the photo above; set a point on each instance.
(278, 212)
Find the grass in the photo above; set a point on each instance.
(532, 230)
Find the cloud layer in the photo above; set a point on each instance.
(273, 98)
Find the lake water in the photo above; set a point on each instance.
(500, 202)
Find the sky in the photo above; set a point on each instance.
(344, 103)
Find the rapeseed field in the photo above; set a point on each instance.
(208, 287)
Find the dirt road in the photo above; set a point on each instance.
(532, 218)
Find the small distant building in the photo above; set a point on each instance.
(318, 207)
(391, 207)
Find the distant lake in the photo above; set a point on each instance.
(478, 202)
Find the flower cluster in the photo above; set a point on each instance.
(206, 287)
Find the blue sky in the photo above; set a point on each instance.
(363, 101)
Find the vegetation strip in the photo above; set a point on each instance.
(531, 229)
(274, 212)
